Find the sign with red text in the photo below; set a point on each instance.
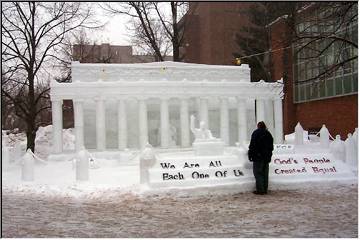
(301, 165)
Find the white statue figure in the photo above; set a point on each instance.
(350, 151)
(201, 133)
(299, 134)
(324, 136)
(147, 160)
(337, 147)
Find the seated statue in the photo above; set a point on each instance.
(205, 144)
(201, 133)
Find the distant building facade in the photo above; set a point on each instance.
(106, 53)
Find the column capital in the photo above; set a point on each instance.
(185, 97)
(122, 98)
(223, 97)
(261, 98)
(277, 98)
(204, 98)
(57, 100)
(78, 100)
(141, 98)
(164, 98)
(99, 98)
(238, 98)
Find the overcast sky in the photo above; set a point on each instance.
(115, 31)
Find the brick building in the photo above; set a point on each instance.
(312, 100)
(210, 30)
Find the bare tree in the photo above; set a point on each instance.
(322, 28)
(153, 26)
(314, 29)
(76, 47)
(32, 33)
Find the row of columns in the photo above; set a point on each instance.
(275, 109)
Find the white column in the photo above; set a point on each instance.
(184, 122)
(260, 110)
(57, 122)
(204, 113)
(79, 124)
(100, 125)
(143, 125)
(269, 109)
(278, 116)
(242, 120)
(224, 120)
(164, 122)
(122, 124)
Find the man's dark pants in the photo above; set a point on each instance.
(261, 173)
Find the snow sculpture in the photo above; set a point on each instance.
(147, 160)
(27, 170)
(355, 138)
(200, 133)
(350, 151)
(82, 165)
(324, 136)
(299, 134)
(205, 144)
(337, 148)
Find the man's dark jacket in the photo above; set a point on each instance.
(261, 146)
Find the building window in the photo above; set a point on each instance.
(318, 73)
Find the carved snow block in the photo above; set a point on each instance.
(214, 147)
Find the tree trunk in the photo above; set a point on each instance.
(31, 135)
(175, 39)
(176, 54)
(31, 122)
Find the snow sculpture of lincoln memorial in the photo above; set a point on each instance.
(118, 106)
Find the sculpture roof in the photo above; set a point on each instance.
(169, 64)
(158, 71)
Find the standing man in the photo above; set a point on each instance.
(260, 152)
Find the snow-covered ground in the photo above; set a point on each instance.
(317, 211)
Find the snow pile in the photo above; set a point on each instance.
(43, 141)
(68, 139)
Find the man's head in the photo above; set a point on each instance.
(202, 125)
(261, 125)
